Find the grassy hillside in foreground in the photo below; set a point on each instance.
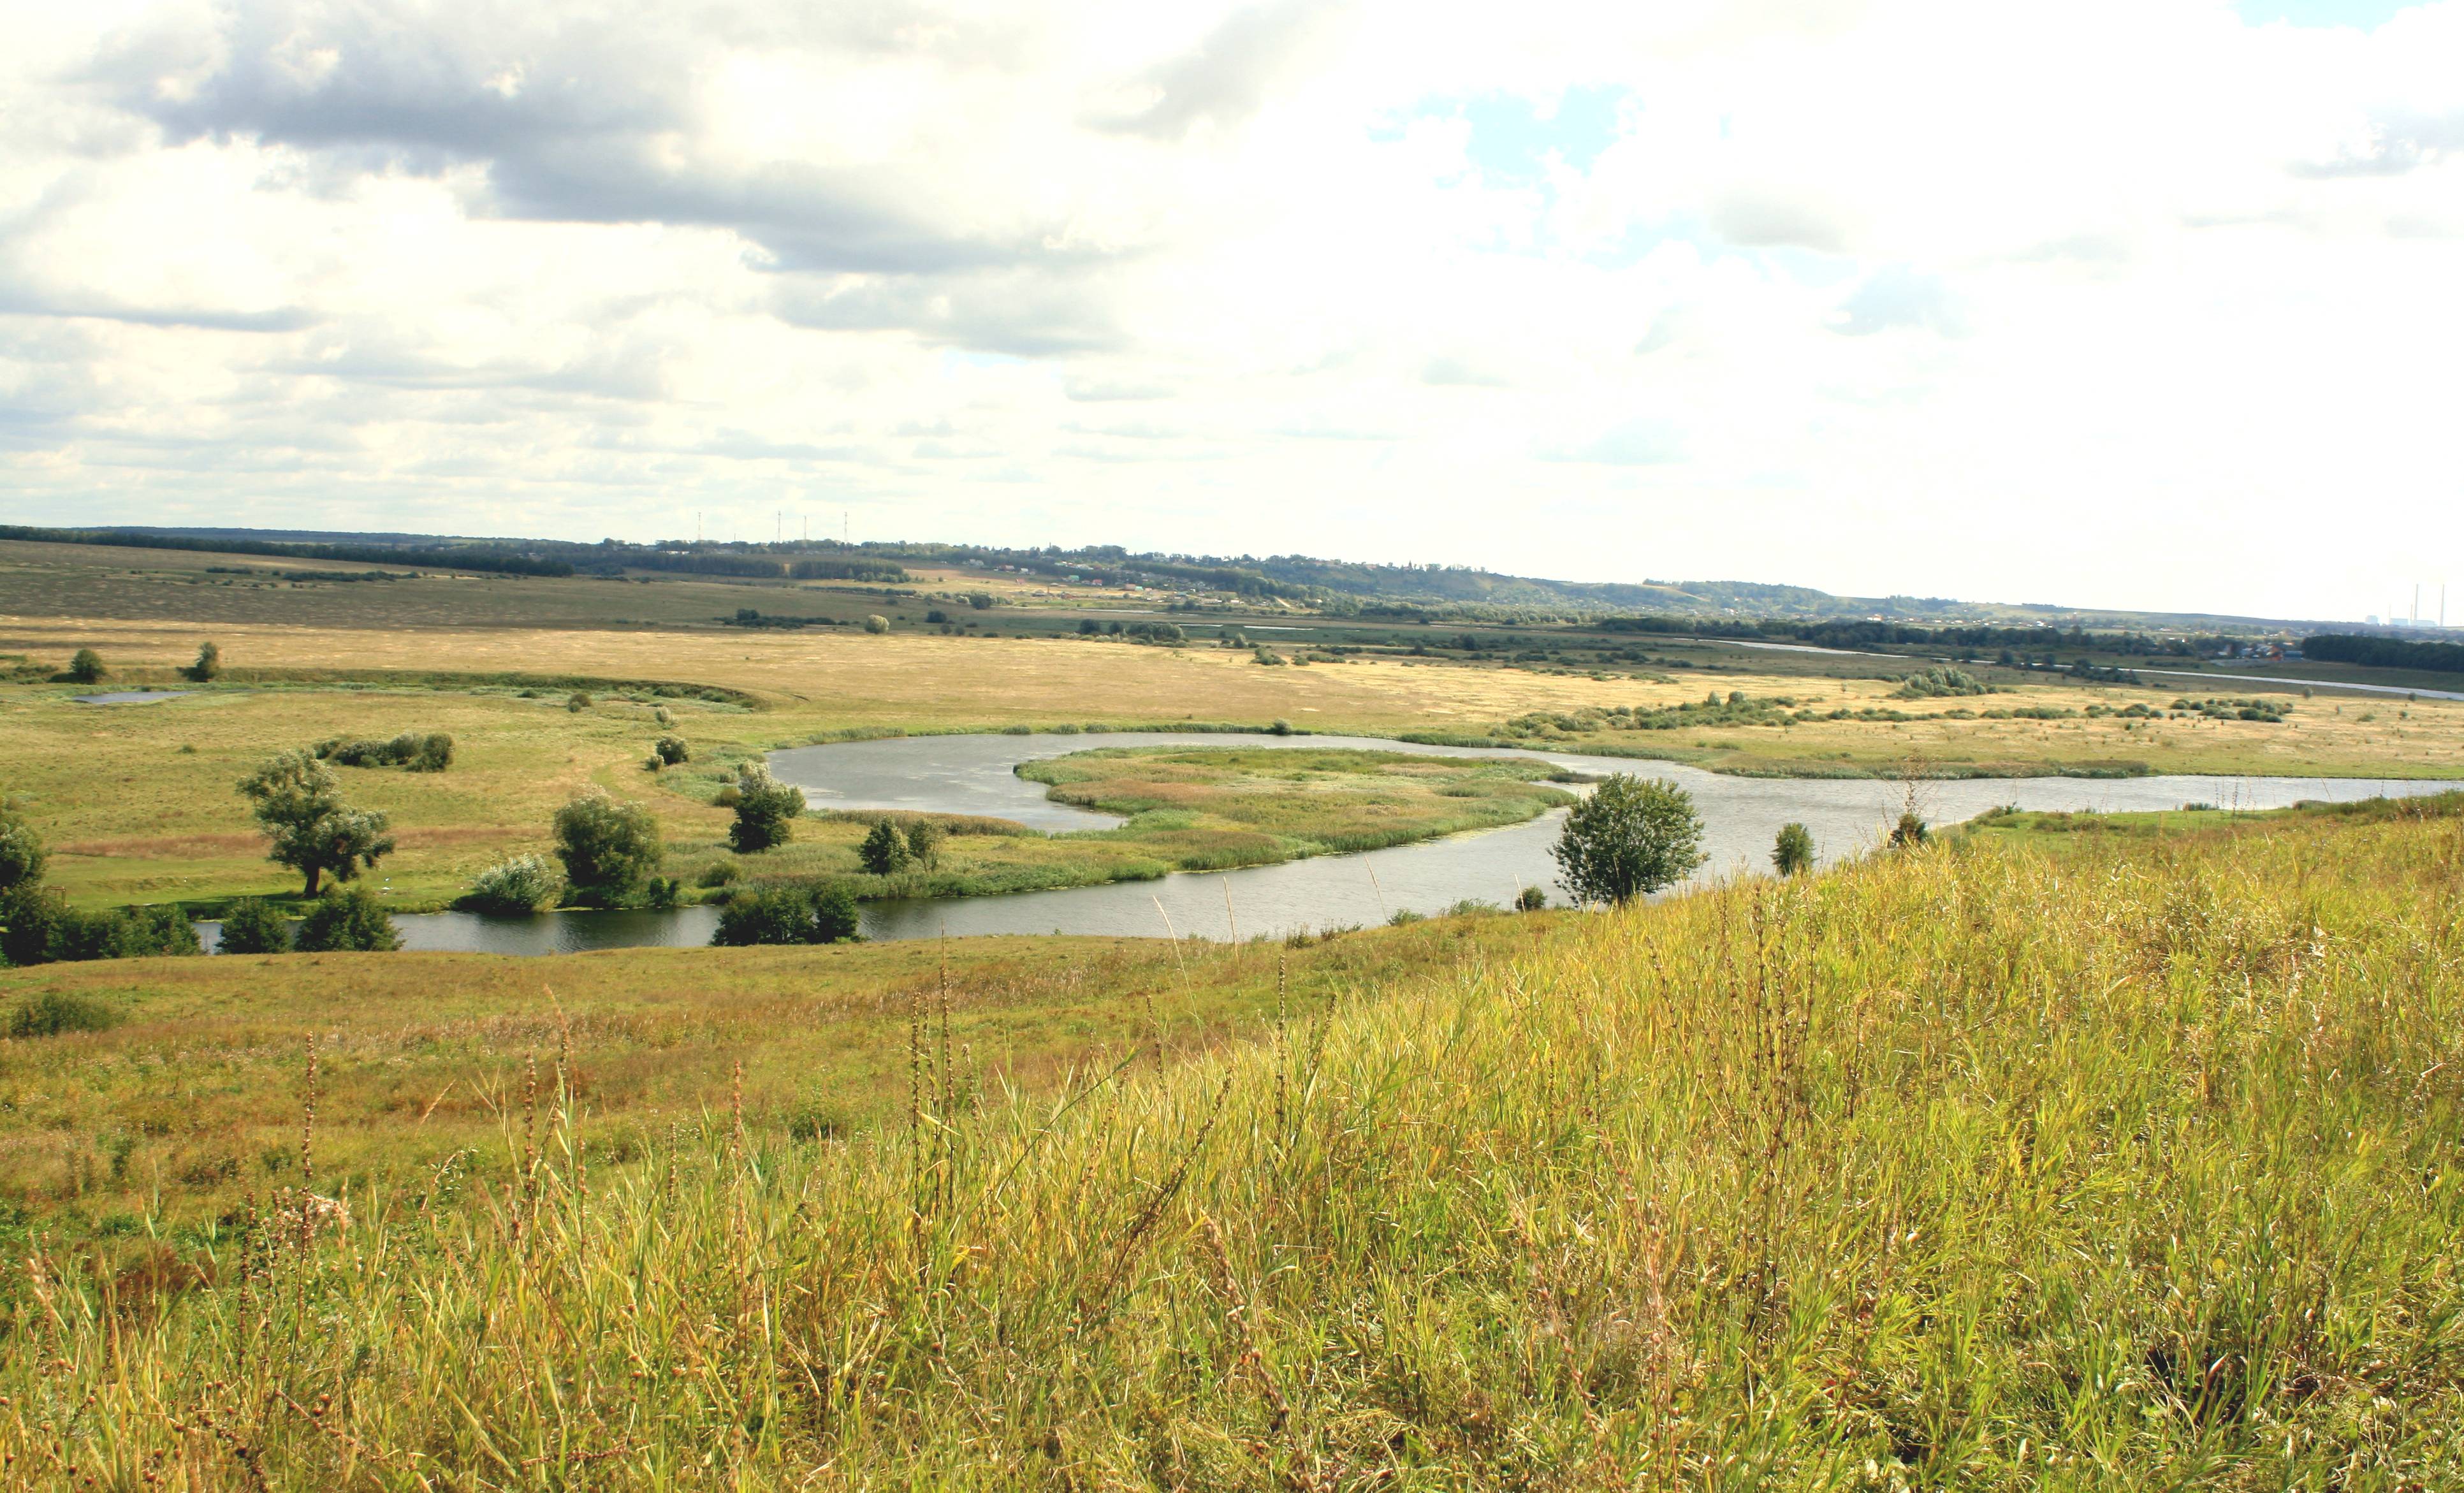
(190, 1100)
(1978, 1167)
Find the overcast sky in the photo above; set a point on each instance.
(2134, 303)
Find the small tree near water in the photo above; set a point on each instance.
(209, 665)
(299, 803)
(883, 851)
(86, 668)
(1792, 853)
(610, 850)
(766, 811)
(1628, 840)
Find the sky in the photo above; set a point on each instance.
(2139, 303)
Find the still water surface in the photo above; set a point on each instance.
(975, 774)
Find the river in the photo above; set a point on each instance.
(976, 775)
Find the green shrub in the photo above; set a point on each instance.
(346, 921)
(610, 850)
(41, 927)
(209, 665)
(719, 873)
(1909, 832)
(766, 811)
(1938, 681)
(924, 840)
(22, 856)
(671, 751)
(252, 926)
(29, 916)
(876, 623)
(417, 751)
(86, 668)
(883, 851)
(577, 702)
(1531, 899)
(1792, 852)
(516, 886)
(52, 1011)
(786, 915)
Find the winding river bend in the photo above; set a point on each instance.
(976, 775)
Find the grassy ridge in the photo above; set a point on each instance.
(1981, 1166)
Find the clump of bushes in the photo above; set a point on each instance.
(610, 851)
(2260, 709)
(669, 752)
(787, 914)
(889, 850)
(346, 921)
(876, 623)
(577, 701)
(252, 926)
(43, 928)
(1939, 682)
(413, 751)
(209, 665)
(86, 668)
(53, 1012)
(516, 886)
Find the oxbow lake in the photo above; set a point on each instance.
(976, 775)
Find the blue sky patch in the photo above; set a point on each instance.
(2365, 14)
(1513, 136)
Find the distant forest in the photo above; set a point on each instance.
(2339, 647)
(1338, 588)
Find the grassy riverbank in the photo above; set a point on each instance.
(138, 800)
(2130, 1165)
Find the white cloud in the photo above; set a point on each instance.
(2147, 305)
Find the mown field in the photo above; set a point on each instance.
(2117, 1162)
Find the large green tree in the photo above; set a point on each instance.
(1628, 840)
(610, 850)
(299, 803)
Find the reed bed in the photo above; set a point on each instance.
(1971, 1167)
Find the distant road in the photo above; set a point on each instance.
(2311, 684)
